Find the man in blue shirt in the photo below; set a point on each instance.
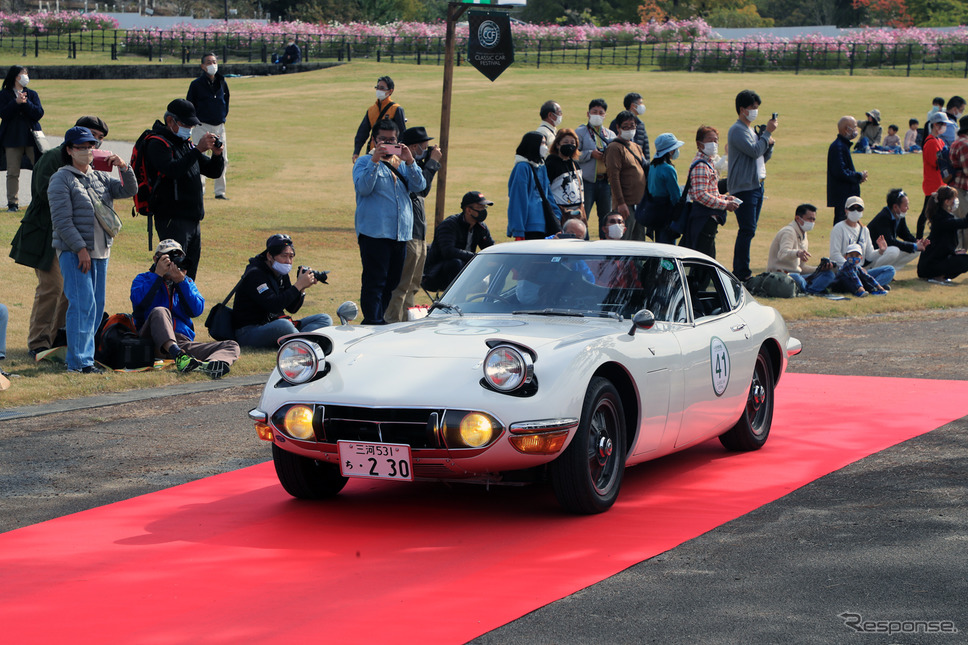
(383, 180)
(209, 93)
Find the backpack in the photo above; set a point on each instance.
(775, 284)
(118, 345)
(944, 165)
(146, 184)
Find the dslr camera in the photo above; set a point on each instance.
(218, 142)
(320, 275)
(177, 258)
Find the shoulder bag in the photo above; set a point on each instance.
(552, 225)
(219, 321)
(105, 215)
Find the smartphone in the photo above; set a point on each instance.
(101, 160)
(395, 149)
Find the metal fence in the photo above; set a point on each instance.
(705, 56)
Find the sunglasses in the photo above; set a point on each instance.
(859, 209)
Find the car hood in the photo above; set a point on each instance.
(467, 336)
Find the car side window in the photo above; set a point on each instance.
(734, 290)
(662, 285)
(706, 291)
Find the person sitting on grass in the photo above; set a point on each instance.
(942, 260)
(165, 300)
(892, 142)
(912, 141)
(852, 278)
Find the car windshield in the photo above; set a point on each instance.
(567, 285)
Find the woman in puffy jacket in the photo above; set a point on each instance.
(526, 187)
(82, 244)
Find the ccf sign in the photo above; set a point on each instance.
(489, 46)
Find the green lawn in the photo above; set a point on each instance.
(290, 142)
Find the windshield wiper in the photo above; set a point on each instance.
(550, 312)
(446, 307)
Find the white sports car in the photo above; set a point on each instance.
(563, 360)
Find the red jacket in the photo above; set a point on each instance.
(929, 156)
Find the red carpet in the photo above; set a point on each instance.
(233, 559)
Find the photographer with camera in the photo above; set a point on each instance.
(165, 300)
(266, 292)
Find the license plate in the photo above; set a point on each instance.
(375, 460)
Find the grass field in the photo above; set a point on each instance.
(290, 141)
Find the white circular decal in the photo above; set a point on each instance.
(489, 34)
(719, 364)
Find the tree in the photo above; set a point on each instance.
(885, 13)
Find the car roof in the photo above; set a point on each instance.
(597, 247)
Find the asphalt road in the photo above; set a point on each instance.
(884, 539)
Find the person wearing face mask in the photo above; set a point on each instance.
(164, 301)
(209, 93)
(456, 241)
(625, 166)
(633, 103)
(384, 109)
(789, 253)
(748, 153)
(267, 291)
(891, 224)
(551, 116)
(942, 260)
(954, 110)
(175, 167)
(82, 244)
(567, 189)
(20, 113)
(529, 192)
(428, 160)
(613, 226)
(708, 210)
(853, 279)
(32, 247)
(877, 256)
(843, 181)
(931, 181)
(593, 139)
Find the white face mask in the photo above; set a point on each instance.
(675, 154)
(628, 135)
(640, 109)
(710, 148)
(281, 268)
(752, 114)
(184, 133)
(558, 120)
(955, 205)
(596, 120)
(616, 231)
(82, 156)
(380, 95)
(24, 80)
(854, 216)
(211, 69)
(543, 150)
(807, 226)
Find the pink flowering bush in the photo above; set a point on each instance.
(41, 22)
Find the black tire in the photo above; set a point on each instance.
(586, 478)
(753, 428)
(306, 478)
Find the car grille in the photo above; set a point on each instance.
(414, 427)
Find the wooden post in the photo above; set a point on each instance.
(454, 12)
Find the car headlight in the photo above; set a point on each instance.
(506, 368)
(299, 360)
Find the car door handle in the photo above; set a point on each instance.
(738, 327)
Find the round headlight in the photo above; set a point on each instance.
(506, 368)
(299, 422)
(299, 360)
(476, 430)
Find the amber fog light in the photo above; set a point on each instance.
(546, 443)
(476, 430)
(299, 422)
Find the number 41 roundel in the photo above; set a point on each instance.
(719, 364)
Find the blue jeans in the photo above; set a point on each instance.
(85, 305)
(268, 335)
(598, 194)
(382, 260)
(747, 215)
(883, 275)
(4, 316)
(819, 285)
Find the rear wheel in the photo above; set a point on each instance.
(586, 478)
(306, 478)
(753, 428)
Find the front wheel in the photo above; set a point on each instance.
(306, 478)
(586, 478)
(753, 428)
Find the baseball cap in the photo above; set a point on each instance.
(167, 246)
(78, 135)
(854, 201)
(854, 248)
(277, 243)
(474, 197)
(939, 117)
(184, 111)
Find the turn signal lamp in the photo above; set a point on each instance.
(264, 430)
(299, 422)
(546, 443)
(476, 430)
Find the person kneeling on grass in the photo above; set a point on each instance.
(852, 278)
(165, 300)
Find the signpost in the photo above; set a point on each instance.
(490, 60)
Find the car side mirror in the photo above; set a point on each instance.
(642, 319)
(347, 311)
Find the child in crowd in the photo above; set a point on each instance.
(912, 138)
(852, 278)
(892, 142)
(937, 105)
